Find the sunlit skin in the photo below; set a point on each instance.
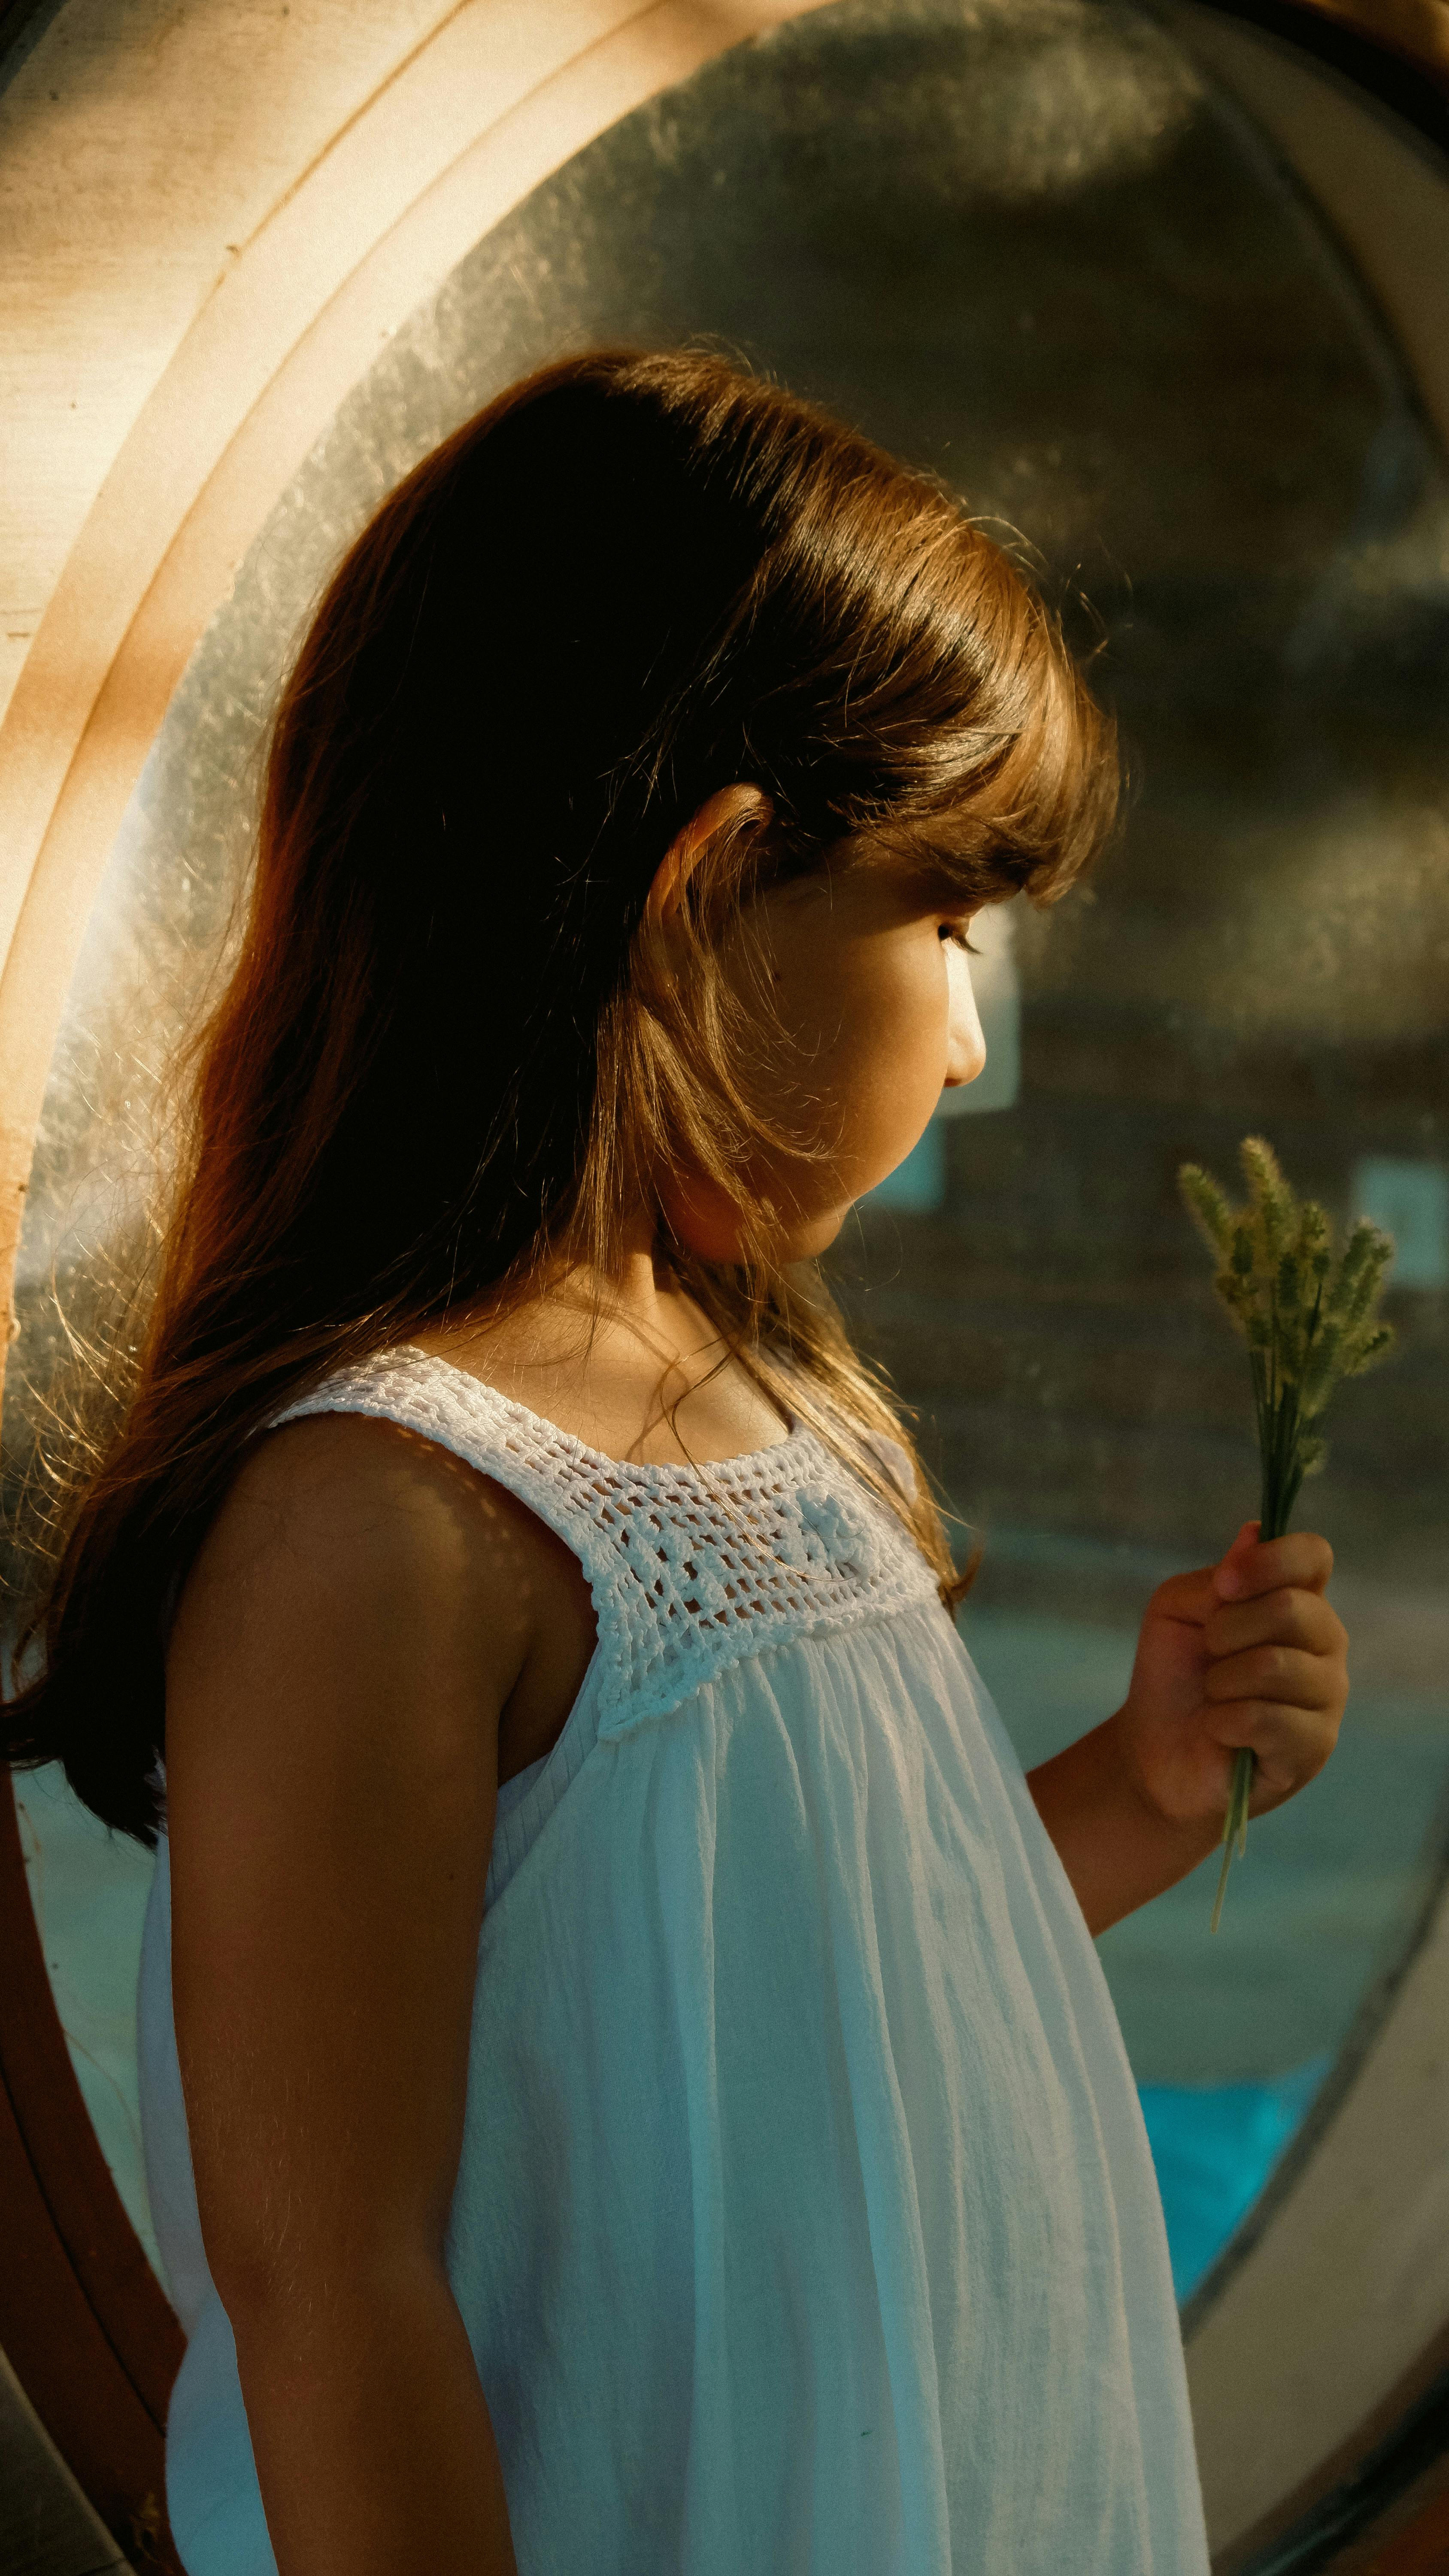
(373, 1637)
(871, 990)
(871, 985)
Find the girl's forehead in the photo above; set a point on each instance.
(873, 888)
(945, 871)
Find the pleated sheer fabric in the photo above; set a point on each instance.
(805, 2223)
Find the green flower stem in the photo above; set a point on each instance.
(1307, 1325)
(1279, 1434)
(1235, 1822)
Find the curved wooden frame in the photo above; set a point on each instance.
(1397, 50)
(83, 2321)
(495, 99)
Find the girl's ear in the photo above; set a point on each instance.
(728, 805)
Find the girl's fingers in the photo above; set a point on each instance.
(1302, 1560)
(1291, 1744)
(1280, 1675)
(1284, 1618)
(1191, 1598)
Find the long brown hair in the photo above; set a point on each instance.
(442, 1056)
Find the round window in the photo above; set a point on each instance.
(1036, 248)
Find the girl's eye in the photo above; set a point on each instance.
(952, 930)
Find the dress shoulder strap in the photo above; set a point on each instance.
(691, 1568)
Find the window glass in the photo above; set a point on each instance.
(1030, 249)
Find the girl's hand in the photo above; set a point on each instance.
(1247, 1651)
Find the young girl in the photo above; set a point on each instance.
(642, 2097)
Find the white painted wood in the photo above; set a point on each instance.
(1349, 2284)
(141, 146)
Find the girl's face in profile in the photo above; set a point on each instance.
(870, 987)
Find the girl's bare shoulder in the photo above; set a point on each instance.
(354, 1543)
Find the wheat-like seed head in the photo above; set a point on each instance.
(1307, 1325)
(1314, 1322)
(1207, 1207)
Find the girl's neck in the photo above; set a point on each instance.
(627, 1363)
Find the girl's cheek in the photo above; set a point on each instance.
(868, 1022)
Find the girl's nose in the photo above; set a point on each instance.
(965, 1044)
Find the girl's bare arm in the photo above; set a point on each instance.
(342, 1650)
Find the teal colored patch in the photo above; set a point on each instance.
(919, 1183)
(1215, 2146)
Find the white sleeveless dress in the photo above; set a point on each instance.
(805, 2223)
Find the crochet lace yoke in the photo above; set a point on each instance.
(691, 1568)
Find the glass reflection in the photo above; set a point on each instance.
(1029, 247)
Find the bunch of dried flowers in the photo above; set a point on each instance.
(1309, 1322)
